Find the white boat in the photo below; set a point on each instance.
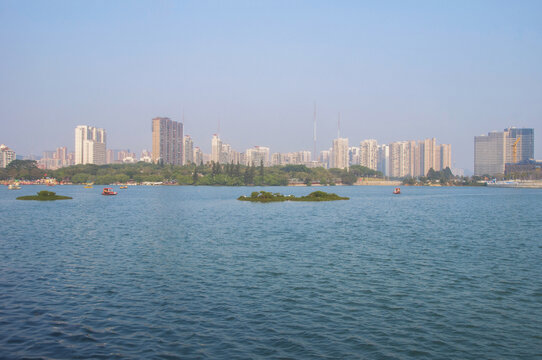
(14, 187)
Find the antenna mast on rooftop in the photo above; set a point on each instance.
(314, 134)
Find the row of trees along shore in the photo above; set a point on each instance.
(217, 174)
(203, 174)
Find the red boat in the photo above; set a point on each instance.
(397, 191)
(108, 191)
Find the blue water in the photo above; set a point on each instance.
(190, 273)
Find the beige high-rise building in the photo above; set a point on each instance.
(6, 156)
(445, 156)
(339, 154)
(90, 145)
(167, 141)
(369, 154)
(429, 157)
(256, 155)
(399, 155)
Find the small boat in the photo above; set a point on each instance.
(124, 187)
(88, 186)
(108, 191)
(397, 191)
(14, 187)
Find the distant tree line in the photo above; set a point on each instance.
(202, 174)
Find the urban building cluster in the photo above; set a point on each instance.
(398, 159)
(508, 151)
(498, 149)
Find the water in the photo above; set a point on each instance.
(189, 273)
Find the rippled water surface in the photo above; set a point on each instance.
(189, 272)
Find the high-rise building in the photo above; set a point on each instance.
(445, 156)
(494, 150)
(256, 155)
(354, 155)
(384, 159)
(524, 146)
(325, 158)
(198, 156)
(369, 154)
(339, 155)
(6, 156)
(167, 141)
(54, 159)
(216, 148)
(399, 155)
(90, 145)
(188, 150)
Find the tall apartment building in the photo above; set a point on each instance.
(384, 159)
(399, 159)
(188, 150)
(216, 148)
(256, 155)
(6, 156)
(325, 158)
(494, 150)
(90, 145)
(369, 154)
(339, 154)
(167, 141)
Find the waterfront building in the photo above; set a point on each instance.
(6, 156)
(90, 145)
(198, 156)
(339, 154)
(494, 150)
(524, 146)
(353, 155)
(325, 158)
(188, 150)
(384, 159)
(167, 141)
(525, 169)
(445, 156)
(292, 158)
(256, 155)
(369, 154)
(55, 159)
(216, 148)
(399, 159)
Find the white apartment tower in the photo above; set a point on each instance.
(339, 156)
(188, 151)
(256, 155)
(369, 154)
(90, 145)
(216, 148)
(6, 156)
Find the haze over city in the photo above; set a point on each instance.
(398, 71)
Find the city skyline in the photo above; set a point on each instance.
(450, 71)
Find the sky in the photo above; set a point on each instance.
(394, 70)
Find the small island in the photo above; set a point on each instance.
(265, 197)
(44, 196)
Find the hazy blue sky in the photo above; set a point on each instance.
(396, 70)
